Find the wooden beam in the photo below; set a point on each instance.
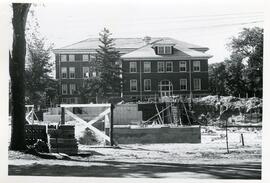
(111, 125)
(162, 122)
(62, 116)
(29, 106)
(27, 117)
(84, 105)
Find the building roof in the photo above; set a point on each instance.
(148, 53)
(137, 48)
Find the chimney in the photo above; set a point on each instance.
(147, 39)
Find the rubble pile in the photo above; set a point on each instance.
(214, 106)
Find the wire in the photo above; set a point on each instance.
(205, 27)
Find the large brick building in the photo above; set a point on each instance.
(152, 67)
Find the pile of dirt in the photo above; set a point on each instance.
(221, 108)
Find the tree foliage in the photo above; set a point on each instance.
(249, 45)
(243, 70)
(40, 85)
(217, 76)
(107, 81)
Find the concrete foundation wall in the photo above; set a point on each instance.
(127, 114)
(127, 135)
(124, 114)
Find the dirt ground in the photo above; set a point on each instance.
(208, 159)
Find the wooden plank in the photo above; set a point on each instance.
(162, 122)
(27, 117)
(95, 130)
(84, 105)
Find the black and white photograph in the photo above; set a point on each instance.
(133, 90)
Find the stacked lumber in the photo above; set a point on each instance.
(62, 140)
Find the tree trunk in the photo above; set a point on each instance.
(17, 65)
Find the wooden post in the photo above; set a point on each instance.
(111, 125)
(32, 115)
(227, 136)
(242, 139)
(62, 115)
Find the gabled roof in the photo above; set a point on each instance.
(181, 50)
(148, 53)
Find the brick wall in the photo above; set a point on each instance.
(156, 77)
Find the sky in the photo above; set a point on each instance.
(204, 22)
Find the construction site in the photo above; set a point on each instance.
(211, 129)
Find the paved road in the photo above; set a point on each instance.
(248, 170)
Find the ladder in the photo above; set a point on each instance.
(175, 114)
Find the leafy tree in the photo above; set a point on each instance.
(249, 45)
(16, 70)
(38, 71)
(217, 77)
(40, 87)
(234, 81)
(107, 82)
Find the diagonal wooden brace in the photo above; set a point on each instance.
(89, 124)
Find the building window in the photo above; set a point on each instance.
(132, 67)
(147, 67)
(183, 84)
(196, 66)
(86, 73)
(72, 88)
(71, 58)
(72, 72)
(169, 66)
(197, 84)
(85, 58)
(63, 58)
(147, 84)
(64, 89)
(133, 85)
(168, 50)
(64, 72)
(161, 67)
(160, 50)
(182, 66)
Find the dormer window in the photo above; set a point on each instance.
(168, 50)
(164, 50)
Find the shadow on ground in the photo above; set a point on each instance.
(147, 170)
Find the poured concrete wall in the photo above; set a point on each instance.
(127, 135)
(127, 114)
